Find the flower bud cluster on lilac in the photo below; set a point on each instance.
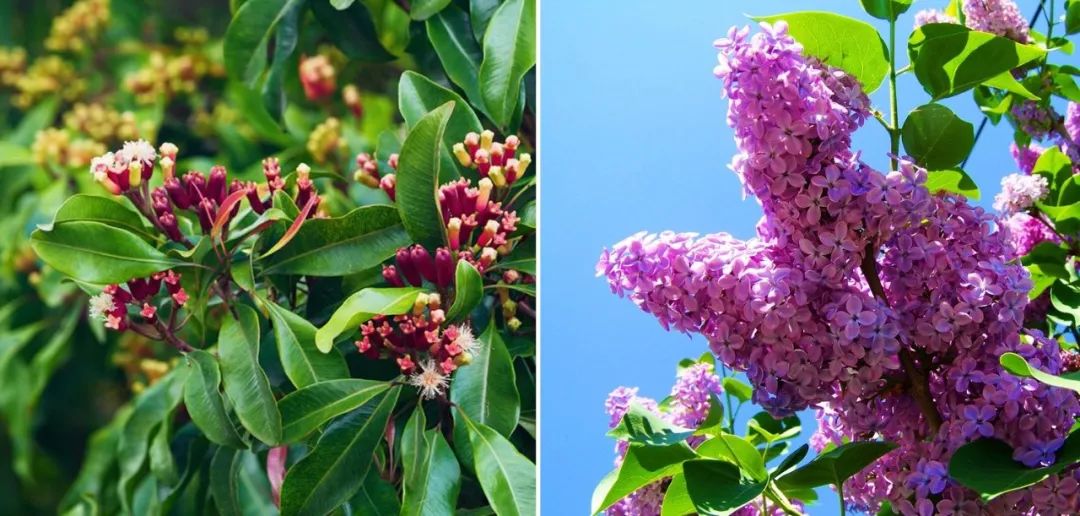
(113, 303)
(1000, 17)
(689, 407)
(793, 309)
(419, 336)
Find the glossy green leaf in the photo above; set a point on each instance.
(248, 34)
(987, 466)
(480, 13)
(763, 428)
(509, 53)
(485, 389)
(417, 97)
(468, 291)
(886, 9)
(1072, 17)
(792, 460)
(100, 458)
(162, 462)
(451, 36)
(716, 487)
(737, 451)
(335, 469)
(949, 58)
(39, 117)
(1056, 167)
(376, 497)
(836, 466)
(432, 477)
(423, 9)
(360, 240)
(1065, 298)
(1018, 366)
(302, 362)
(641, 425)
(152, 406)
(362, 306)
(1047, 258)
(205, 405)
(418, 176)
(851, 45)
(936, 137)
(954, 181)
(507, 477)
(352, 30)
(677, 500)
(738, 388)
(306, 409)
(642, 466)
(94, 252)
(246, 384)
(224, 481)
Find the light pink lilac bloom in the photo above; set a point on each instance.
(1001, 17)
(927, 16)
(792, 310)
(1025, 232)
(1020, 192)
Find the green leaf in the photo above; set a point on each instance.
(418, 176)
(717, 487)
(888, 10)
(1018, 366)
(152, 406)
(362, 306)
(417, 97)
(641, 425)
(1005, 81)
(1056, 167)
(14, 155)
(509, 52)
(949, 58)
(677, 500)
(307, 409)
(360, 240)
(1072, 17)
(423, 9)
(100, 458)
(1066, 299)
(936, 137)
(738, 388)
(987, 466)
(251, 107)
(836, 465)
(246, 384)
(202, 397)
(642, 466)
(954, 181)
(432, 477)
(335, 469)
(845, 43)
(792, 460)
(376, 497)
(468, 291)
(1047, 258)
(39, 117)
(162, 462)
(97, 253)
(737, 451)
(352, 28)
(507, 477)
(460, 55)
(224, 481)
(295, 338)
(480, 13)
(485, 389)
(247, 37)
(763, 428)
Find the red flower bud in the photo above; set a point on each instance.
(444, 267)
(390, 274)
(215, 187)
(407, 267)
(422, 259)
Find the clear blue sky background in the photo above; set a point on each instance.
(635, 138)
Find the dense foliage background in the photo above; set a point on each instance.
(100, 421)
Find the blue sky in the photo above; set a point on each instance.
(634, 138)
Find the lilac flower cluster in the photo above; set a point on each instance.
(1034, 119)
(1025, 232)
(1020, 192)
(928, 16)
(1027, 156)
(853, 270)
(1001, 17)
(689, 407)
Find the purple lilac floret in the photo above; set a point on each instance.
(1020, 192)
(1001, 17)
(792, 309)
